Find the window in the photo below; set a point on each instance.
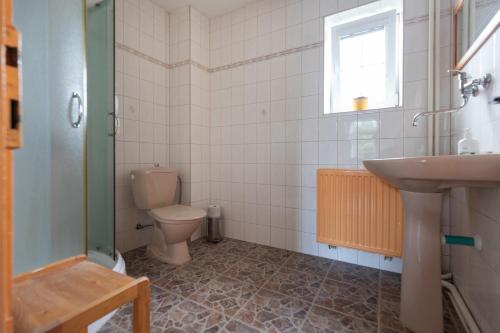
(363, 57)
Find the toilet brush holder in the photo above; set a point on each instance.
(213, 224)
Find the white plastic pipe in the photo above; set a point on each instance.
(463, 311)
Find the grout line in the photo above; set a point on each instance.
(187, 298)
(379, 303)
(254, 295)
(279, 267)
(315, 297)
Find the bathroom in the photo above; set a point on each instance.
(249, 166)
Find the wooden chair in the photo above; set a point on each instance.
(69, 295)
(9, 139)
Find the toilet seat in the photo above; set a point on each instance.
(177, 214)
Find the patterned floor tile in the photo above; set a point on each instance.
(251, 271)
(270, 255)
(236, 286)
(240, 248)
(161, 302)
(384, 329)
(152, 268)
(214, 261)
(390, 283)
(201, 247)
(185, 280)
(309, 264)
(350, 299)
(322, 320)
(389, 316)
(132, 256)
(354, 274)
(111, 328)
(273, 312)
(296, 284)
(225, 295)
(235, 326)
(390, 323)
(190, 317)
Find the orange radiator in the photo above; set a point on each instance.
(358, 210)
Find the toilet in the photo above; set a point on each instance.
(154, 190)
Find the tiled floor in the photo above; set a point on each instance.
(236, 286)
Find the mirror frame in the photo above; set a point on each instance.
(492, 26)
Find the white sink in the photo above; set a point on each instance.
(422, 181)
(434, 174)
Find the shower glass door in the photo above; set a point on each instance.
(100, 126)
(49, 200)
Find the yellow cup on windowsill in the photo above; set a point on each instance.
(360, 103)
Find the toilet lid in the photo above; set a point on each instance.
(177, 213)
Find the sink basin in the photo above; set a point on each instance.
(421, 181)
(438, 173)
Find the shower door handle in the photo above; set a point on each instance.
(115, 117)
(116, 124)
(78, 98)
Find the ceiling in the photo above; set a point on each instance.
(211, 8)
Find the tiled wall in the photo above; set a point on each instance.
(268, 133)
(142, 87)
(180, 90)
(190, 83)
(200, 109)
(245, 129)
(476, 211)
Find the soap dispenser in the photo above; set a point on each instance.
(468, 145)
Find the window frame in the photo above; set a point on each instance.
(386, 13)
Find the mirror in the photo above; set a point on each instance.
(473, 22)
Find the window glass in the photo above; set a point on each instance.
(363, 58)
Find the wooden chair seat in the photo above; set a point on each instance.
(71, 294)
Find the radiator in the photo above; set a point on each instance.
(356, 209)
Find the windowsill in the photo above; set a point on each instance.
(373, 110)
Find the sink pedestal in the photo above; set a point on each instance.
(421, 304)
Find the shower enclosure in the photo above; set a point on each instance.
(64, 173)
(100, 128)
(49, 172)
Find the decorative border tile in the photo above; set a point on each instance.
(220, 68)
(266, 57)
(140, 54)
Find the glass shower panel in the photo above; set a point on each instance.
(100, 126)
(49, 214)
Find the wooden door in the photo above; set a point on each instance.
(10, 138)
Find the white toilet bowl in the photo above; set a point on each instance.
(154, 191)
(173, 226)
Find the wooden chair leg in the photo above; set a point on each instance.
(141, 309)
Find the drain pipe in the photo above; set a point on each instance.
(463, 311)
(179, 179)
(458, 302)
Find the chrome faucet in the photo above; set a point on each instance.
(467, 89)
